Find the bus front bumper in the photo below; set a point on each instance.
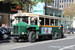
(20, 36)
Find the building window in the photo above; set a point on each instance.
(62, 1)
(60, 6)
(53, 2)
(51, 14)
(0, 17)
(69, 0)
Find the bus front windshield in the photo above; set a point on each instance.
(22, 19)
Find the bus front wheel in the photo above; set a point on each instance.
(32, 36)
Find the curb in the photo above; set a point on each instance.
(4, 41)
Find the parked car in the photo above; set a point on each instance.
(71, 31)
(4, 33)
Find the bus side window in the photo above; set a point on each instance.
(46, 21)
(35, 21)
(56, 22)
(25, 19)
(52, 22)
(41, 21)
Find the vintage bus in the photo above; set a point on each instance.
(34, 26)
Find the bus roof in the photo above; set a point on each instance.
(36, 15)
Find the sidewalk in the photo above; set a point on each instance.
(9, 40)
(5, 41)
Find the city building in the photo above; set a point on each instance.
(60, 4)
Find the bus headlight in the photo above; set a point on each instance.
(23, 33)
(11, 33)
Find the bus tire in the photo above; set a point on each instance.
(32, 36)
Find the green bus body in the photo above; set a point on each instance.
(22, 27)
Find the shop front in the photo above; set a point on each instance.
(4, 19)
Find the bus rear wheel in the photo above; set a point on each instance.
(32, 36)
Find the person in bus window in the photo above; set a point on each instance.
(35, 21)
(32, 21)
(52, 24)
(24, 20)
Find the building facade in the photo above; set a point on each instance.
(60, 4)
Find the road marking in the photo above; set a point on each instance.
(67, 47)
(42, 42)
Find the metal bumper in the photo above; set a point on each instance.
(19, 36)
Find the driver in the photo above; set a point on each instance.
(24, 20)
(32, 21)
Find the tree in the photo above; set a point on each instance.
(24, 4)
(70, 11)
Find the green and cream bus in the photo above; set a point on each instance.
(34, 26)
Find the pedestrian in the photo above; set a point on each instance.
(62, 35)
(3, 25)
(6, 26)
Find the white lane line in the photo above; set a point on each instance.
(30, 44)
(68, 47)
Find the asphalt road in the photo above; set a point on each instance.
(67, 43)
